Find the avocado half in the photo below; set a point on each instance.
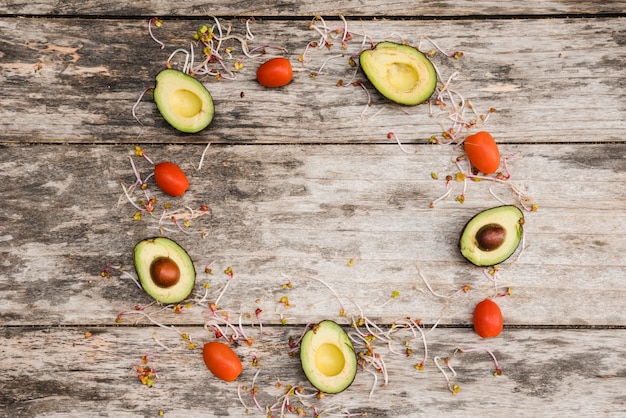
(327, 357)
(165, 270)
(492, 235)
(183, 101)
(399, 72)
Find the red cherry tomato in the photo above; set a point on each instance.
(482, 152)
(275, 72)
(170, 178)
(488, 319)
(221, 360)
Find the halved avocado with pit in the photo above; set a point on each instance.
(327, 357)
(183, 101)
(399, 72)
(165, 270)
(492, 236)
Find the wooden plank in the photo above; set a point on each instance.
(59, 372)
(306, 191)
(280, 212)
(296, 8)
(81, 77)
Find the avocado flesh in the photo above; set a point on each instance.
(327, 357)
(183, 101)
(156, 249)
(401, 73)
(507, 221)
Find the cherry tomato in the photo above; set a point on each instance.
(221, 360)
(275, 72)
(482, 152)
(170, 178)
(488, 319)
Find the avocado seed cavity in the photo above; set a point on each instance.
(402, 77)
(329, 359)
(489, 237)
(185, 103)
(164, 272)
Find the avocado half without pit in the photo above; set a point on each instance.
(327, 357)
(165, 270)
(492, 236)
(399, 72)
(183, 101)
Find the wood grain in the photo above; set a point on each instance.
(543, 370)
(305, 190)
(81, 78)
(298, 212)
(424, 8)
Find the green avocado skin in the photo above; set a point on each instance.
(510, 217)
(169, 83)
(327, 332)
(377, 65)
(146, 251)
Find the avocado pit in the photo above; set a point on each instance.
(490, 237)
(164, 272)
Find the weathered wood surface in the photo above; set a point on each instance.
(411, 9)
(81, 77)
(301, 213)
(546, 373)
(303, 185)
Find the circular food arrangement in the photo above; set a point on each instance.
(333, 351)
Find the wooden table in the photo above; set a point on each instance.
(305, 189)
